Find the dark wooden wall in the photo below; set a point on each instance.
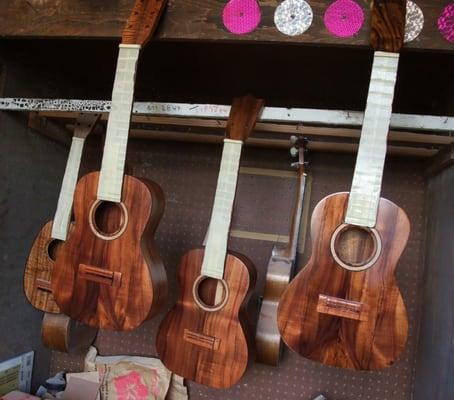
(31, 169)
(435, 363)
(285, 75)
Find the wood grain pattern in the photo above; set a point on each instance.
(243, 116)
(143, 21)
(388, 25)
(369, 344)
(59, 332)
(39, 268)
(133, 254)
(188, 20)
(220, 342)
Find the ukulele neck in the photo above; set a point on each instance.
(289, 251)
(217, 238)
(366, 186)
(114, 155)
(386, 38)
(85, 124)
(65, 199)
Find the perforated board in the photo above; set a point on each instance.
(188, 174)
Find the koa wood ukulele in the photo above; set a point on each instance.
(279, 272)
(58, 332)
(109, 273)
(204, 338)
(345, 308)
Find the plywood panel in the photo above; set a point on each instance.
(435, 367)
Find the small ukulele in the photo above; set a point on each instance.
(345, 308)
(279, 272)
(54, 233)
(109, 273)
(58, 332)
(204, 338)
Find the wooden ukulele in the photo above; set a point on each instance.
(58, 332)
(204, 338)
(345, 308)
(279, 272)
(52, 236)
(109, 273)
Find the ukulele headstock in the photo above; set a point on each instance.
(243, 116)
(299, 149)
(388, 25)
(85, 124)
(143, 21)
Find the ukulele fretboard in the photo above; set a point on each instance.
(62, 216)
(366, 187)
(113, 161)
(217, 238)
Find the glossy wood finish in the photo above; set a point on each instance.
(388, 25)
(59, 332)
(143, 21)
(369, 344)
(212, 348)
(143, 285)
(38, 272)
(279, 272)
(243, 115)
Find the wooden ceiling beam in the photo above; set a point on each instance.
(188, 20)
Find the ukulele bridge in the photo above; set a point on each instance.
(43, 284)
(199, 339)
(99, 275)
(342, 308)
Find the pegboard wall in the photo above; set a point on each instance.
(187, 174)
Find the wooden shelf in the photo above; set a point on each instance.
(188, 20)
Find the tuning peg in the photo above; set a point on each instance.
(293, 139)
(294, 151)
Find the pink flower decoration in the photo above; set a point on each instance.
(241, 16)
(446, 23)
(131, 387)
(344, 18)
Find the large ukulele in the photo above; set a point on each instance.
(109, 273)
(58, 331)
(204, 338)
(345, 308)
(279, 272)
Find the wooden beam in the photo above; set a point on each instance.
(268, 127)
(49, 128)
(329, 146)
(442, 160)
(188, 20)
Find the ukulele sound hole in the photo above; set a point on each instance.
(355, 248)
(209, 293)
(108, 219)
(53, 248)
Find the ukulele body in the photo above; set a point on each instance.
(212, 348)
(348, 318)
(109, 274)
(61, 333)
(38, 270)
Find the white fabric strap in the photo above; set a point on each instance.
(113, 161)
(217, 237)
(366, 187)
(65, 200)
